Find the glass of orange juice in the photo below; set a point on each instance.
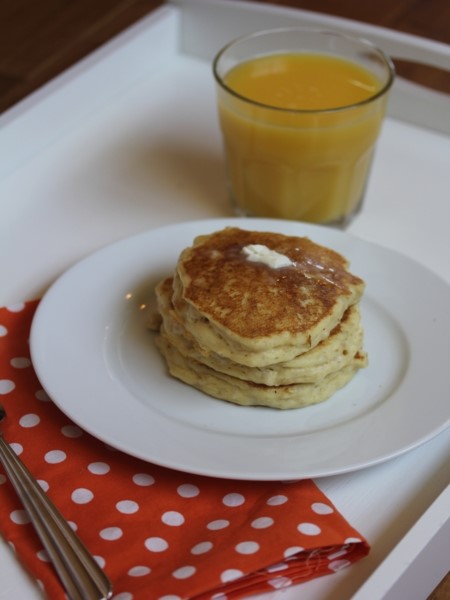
(300, 112)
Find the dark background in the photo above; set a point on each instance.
(41, 38)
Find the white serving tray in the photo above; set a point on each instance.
(128, 140)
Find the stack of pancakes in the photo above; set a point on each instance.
(249, 328)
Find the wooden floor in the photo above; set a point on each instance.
(41, 38)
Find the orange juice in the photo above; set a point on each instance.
(299, 132)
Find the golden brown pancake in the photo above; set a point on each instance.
(338, 350)
(246, 393)
(260, 318)
(255, 314)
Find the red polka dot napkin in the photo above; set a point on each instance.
(159, 534)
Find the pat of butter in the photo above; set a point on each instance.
(263, 254)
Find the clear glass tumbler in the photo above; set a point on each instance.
(295, 147)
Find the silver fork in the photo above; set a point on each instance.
(77, 569)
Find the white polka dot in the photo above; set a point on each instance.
(337, 565)
(230, 575)
(18, 448)
(6, 386)
(71, 431)
(20, 362)
(247, 547)
(42, 396)
(3, 331)
(280, 582)
(262, 522)
(170, 597)
(309, 529)
(218, 524)
(44, 485)
(82, 496)
(111, 533)
(99, 468)
(292, 551)
(172, 517)
(219, 596)
(127, 507)
(321, 509)
(233, 500)
(139, 571)
(73, 525)
(19, 517)
(55, 456)
(201, 548)
(277, 500)
(184, 572)
(15, 308)
(156, 544)
(30, 420)
(143, 479)
(100, 561)
(352, 540)
(188, 490)
(123, 596)
(42, 555)
(2, 479)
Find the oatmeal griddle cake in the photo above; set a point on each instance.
(336, 351)
(255, 314)
(247, 393)
(260, 318)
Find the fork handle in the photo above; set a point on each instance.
(78, 571)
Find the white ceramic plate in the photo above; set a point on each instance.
(95, 358)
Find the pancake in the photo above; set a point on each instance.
(330, 355)
(260, 318)
(246, 393)
(255, 314)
